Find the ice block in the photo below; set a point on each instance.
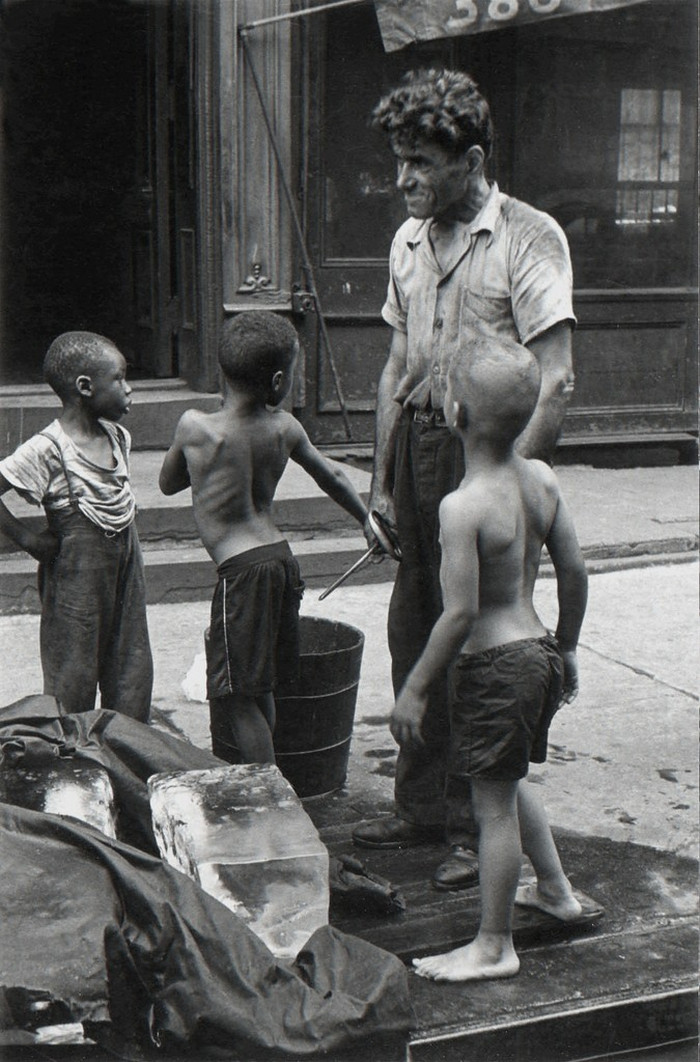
(242, 833)
(74, 788)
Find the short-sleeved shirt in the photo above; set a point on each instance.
(508, 272)
(48, 469)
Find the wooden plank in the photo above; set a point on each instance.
(620, 880)
(595, 994)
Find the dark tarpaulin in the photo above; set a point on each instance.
(110, 935)
(403, 22)
(35, 729)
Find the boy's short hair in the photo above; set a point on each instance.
(497, 383)
(71, 355)
(443, 106)
(255, 345)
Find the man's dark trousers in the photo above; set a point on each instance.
(429, 463)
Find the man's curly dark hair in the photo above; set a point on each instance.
(444, 106)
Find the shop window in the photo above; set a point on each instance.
(648, 168)
(605, 141)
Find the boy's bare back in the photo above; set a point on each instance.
(234, 459)
(235, 464)
(493, 528)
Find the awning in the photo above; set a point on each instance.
(403, 22)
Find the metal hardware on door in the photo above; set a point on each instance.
(302, 301)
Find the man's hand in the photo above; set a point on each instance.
(383, 503)
(372, 542)
(570, 689)
(406, 719)
(43, 546)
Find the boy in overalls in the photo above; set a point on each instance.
(93, 607)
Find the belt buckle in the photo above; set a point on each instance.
(435, 418)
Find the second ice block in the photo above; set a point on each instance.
(242, 833)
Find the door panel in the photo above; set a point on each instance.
(163, 233)
(183, 181)
(149, 219)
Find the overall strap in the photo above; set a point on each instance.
(121, 441)
(71, 495)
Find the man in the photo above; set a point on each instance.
(469, 258)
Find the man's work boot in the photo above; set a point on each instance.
(459, 871)
(393, 832)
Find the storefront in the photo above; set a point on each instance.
(214, 171)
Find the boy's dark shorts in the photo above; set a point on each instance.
(253, 640)
(501, 705)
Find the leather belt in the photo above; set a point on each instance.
(434, 418)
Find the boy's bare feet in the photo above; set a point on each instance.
(565, 907)
(470, 963)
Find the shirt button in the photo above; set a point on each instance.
(436, 370)
(437, 323)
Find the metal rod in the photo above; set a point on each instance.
(298, 14)
(308, 268)
(346, 575)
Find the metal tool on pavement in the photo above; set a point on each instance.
(387, 542)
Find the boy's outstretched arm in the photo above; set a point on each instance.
(459, 578)
(43, 546)
(174, 474)
(329, 477)
(572, 591)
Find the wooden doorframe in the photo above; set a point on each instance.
(202, 306)
(159, 180)
(204, 373)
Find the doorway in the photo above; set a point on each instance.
(96, 202)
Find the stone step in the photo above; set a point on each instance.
(178, 572)
(624, 518)
(156, 407)
(323, 536)
(616, 511)
(182, 571)
(300, 507)
(301, 516)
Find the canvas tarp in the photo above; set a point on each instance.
(109, 935)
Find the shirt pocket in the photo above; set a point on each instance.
(486, 306)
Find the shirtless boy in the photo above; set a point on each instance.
(233, 459)
(508, 675)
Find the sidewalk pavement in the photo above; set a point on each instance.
(618, 512)
(622, 761)
(627, 510)
(623, 758)
(625, 517)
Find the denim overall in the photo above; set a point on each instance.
(93, 615)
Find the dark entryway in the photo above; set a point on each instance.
(93, 198)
